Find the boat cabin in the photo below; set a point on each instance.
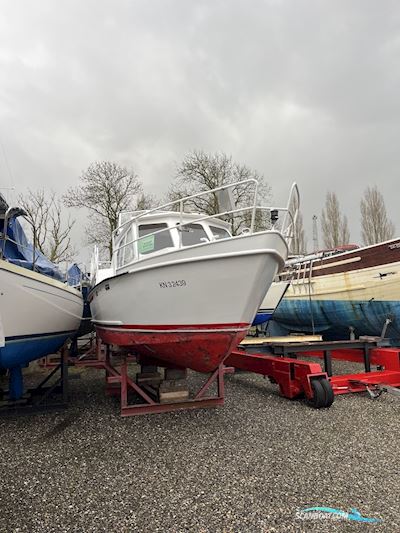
(141, 235)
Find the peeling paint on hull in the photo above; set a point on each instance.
(366, 317)
(202, 351)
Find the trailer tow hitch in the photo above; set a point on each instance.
(376, 389)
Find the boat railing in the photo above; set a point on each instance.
(222, 193)
(97, 264)
(287, 228)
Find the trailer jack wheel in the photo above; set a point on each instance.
(323, 394)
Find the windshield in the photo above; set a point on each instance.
(193, 234)
(219, 233)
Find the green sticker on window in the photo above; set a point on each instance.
(146, 244)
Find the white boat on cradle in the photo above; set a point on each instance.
(38, 313)
(181, 289)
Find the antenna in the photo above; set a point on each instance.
(315, 233)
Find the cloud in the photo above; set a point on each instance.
(297, 90)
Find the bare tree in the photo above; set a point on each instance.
(299, 242)
(146, 201)
(200, 172)
(335, 229)
(53, 234)
(106, 188)
(375, 225)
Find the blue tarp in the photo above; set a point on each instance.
(21, 252)
(75, 275)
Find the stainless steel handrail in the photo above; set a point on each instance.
(196, 220)
(287, 230)
(181, 201)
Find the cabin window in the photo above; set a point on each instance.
(119, 258)
(129, 248)
(126, 253)
(219, 233)
(152, 243)
(120, 253)
(193, 234)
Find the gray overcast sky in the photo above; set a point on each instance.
(305, 90)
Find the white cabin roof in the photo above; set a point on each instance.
(142, 217)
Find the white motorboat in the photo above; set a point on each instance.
(181, 289)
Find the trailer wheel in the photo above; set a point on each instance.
(323, 395)
(329, 395)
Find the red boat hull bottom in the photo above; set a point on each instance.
(202, 351)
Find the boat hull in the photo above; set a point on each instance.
(189, 308)
(335, 317)
(37, 315)
(360, 291)
(200, 349)
(270, 303)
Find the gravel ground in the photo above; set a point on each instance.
(245, 467)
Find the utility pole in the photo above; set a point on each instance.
(315, 233)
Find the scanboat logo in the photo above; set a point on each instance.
(328, 513)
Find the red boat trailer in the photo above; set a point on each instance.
(298, 378)
(295, 378)
(279, 362)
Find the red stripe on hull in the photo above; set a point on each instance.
(158, 327)
(200, 351)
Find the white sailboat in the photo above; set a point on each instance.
(38, 313)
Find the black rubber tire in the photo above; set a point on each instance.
(329, 395)
(318, 398)
(323, 394)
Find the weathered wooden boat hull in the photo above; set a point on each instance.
(337, 317)
(357, 290)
